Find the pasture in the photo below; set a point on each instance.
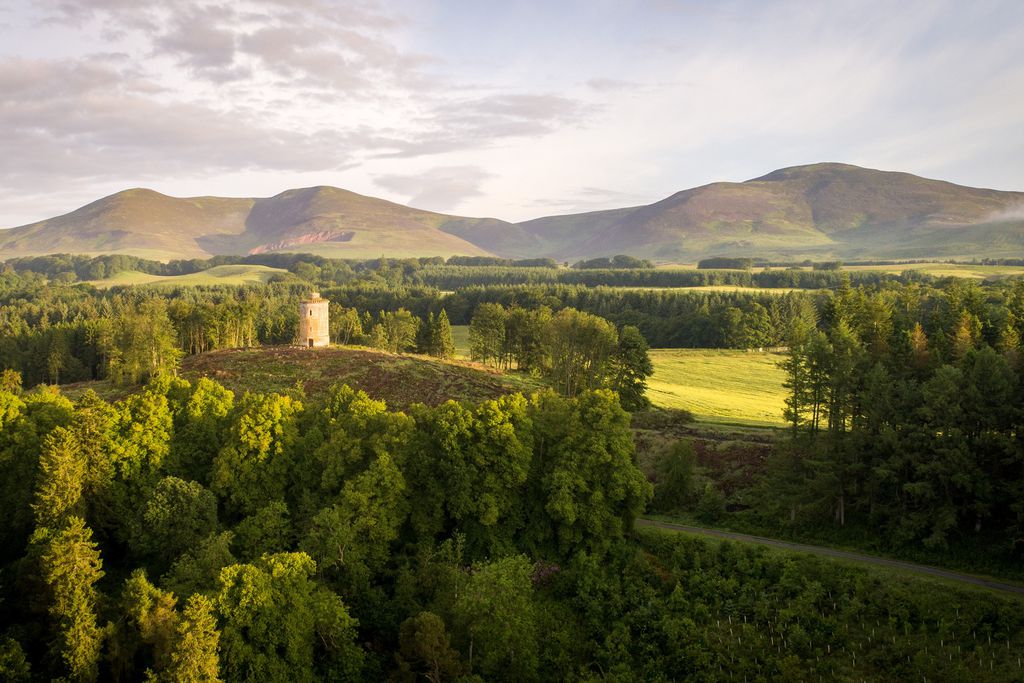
(218, 275)
(720, 385)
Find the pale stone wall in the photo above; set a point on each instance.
(314, 328)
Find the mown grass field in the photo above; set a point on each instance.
(937, 268)
(218, 275)
(719, 385)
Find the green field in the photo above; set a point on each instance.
(460, 335)
(218, 275)
(936, 268)
(947, 270)
(717, 385)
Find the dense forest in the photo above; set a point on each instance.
(187, 534)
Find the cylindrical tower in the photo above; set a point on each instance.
(314, 329)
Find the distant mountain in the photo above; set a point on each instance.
(323, 220)
(821, 210)
(816, 211)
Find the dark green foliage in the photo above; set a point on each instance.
(675, 477)
(723, 262)
(280, 624)
(177, 515)
(425, 649)
(630, 368)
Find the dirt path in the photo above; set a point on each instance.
(841, 554)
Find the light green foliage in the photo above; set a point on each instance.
(62, 479)
(71, 566)
(151, 620)
(362, 489)
(278, 624)
(27, 421)
(579, 347)
(177, 516)
(487, 334)
(140, 343)
(194, 659)
(585, 482)
(355, 533)
(144, 435)
(199, 429)
(469, 469)
(254, 466)
(345, 326)
(441, 343)
(496, 621)
(395, 331)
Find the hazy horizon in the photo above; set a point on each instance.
(514, 111)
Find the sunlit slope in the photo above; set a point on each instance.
(718, 385)
(817, 211)
(324, 220)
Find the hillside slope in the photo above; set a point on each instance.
(821, 210)
(323, 220)
(817, 211)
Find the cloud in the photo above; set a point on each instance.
(464, 124)
(437, 189)
(611, 84)
(87, 120)
(199, 40)
(590, 199)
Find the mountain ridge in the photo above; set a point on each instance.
(827, 210)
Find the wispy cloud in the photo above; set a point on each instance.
(442, 188)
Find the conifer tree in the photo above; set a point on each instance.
(443, 345)
(194, 659)
(71, 566)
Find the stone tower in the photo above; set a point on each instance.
(313, 325)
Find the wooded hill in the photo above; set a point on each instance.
(816, 211)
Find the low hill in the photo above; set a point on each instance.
(321, 220)
(218, 275)
(820, 211)
(399, 380)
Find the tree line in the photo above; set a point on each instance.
(575, 351)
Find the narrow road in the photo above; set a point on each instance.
(841, 554)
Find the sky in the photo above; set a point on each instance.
(511, 109)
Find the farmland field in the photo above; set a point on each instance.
(717, 385)
(936, 268)
(460, 335)
(218, 275)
